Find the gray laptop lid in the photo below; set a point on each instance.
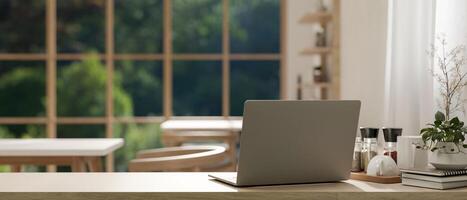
(297, 141)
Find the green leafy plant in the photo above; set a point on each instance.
(452, 82)
(443, 130)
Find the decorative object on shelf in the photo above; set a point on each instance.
(409, 156)
(319, 75)
(322, 7)
(370, 145)
(390, 142)
(299, 88)
(382, 166)
(357, 156)
(445, 136)
(321, 38)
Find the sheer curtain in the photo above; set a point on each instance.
(409, 98)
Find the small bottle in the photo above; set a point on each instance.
(369, 146)
(390, 139)
(357, 155)
(317, 74)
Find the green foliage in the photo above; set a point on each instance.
(255, 26)
(197, 88)
(22, 91)
(197, 26)
(136, 138)
(138, 26)
(22, 25)
(443, 130)
(82, 83)
(142, 81)
(80, 25)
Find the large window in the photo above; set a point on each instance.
(117, 68)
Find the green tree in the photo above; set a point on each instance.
(22, 25)
(81, 92)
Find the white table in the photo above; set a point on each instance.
(148, 186)
(234, 125)
(178, 131)
(74, 152)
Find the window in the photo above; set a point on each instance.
(117, 68)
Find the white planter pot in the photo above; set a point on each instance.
(445, 158)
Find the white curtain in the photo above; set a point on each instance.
(409, 98)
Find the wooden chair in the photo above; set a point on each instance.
(184, 158)
(171, 139)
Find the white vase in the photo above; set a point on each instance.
(448, 156)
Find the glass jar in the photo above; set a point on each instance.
(369, 146)
(390, 139)
(357, 155)
(390, 149)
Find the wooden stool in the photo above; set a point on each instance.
(186, 158)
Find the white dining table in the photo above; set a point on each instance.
(81, 154)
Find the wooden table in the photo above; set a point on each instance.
(179, 131)
(148, 186)
(77, 153)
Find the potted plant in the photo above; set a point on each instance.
(446, 135)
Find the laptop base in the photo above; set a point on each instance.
(228, 178)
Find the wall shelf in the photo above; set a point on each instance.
(317, 17)
(314, 85)
(329, 63)
(316, 50)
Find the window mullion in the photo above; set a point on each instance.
(225, 59)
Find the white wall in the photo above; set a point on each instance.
(363, 51)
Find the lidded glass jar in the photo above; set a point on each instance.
(369, 146)
(390, 139)
(357, 155)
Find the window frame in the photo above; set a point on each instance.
(51, 57)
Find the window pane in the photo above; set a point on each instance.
(81, 88)
(138, 88)
(197, 26)
(137, 137)
(197, 88)
(22, 25)
(252, 80)
(254, 26)
(80, 25)
(23, 131)
(138, 26)
(22, 89)
(80, 131)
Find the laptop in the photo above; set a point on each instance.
(292, 142)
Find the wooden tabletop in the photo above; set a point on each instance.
(59, 147)
(195, 186)
(202, 125)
